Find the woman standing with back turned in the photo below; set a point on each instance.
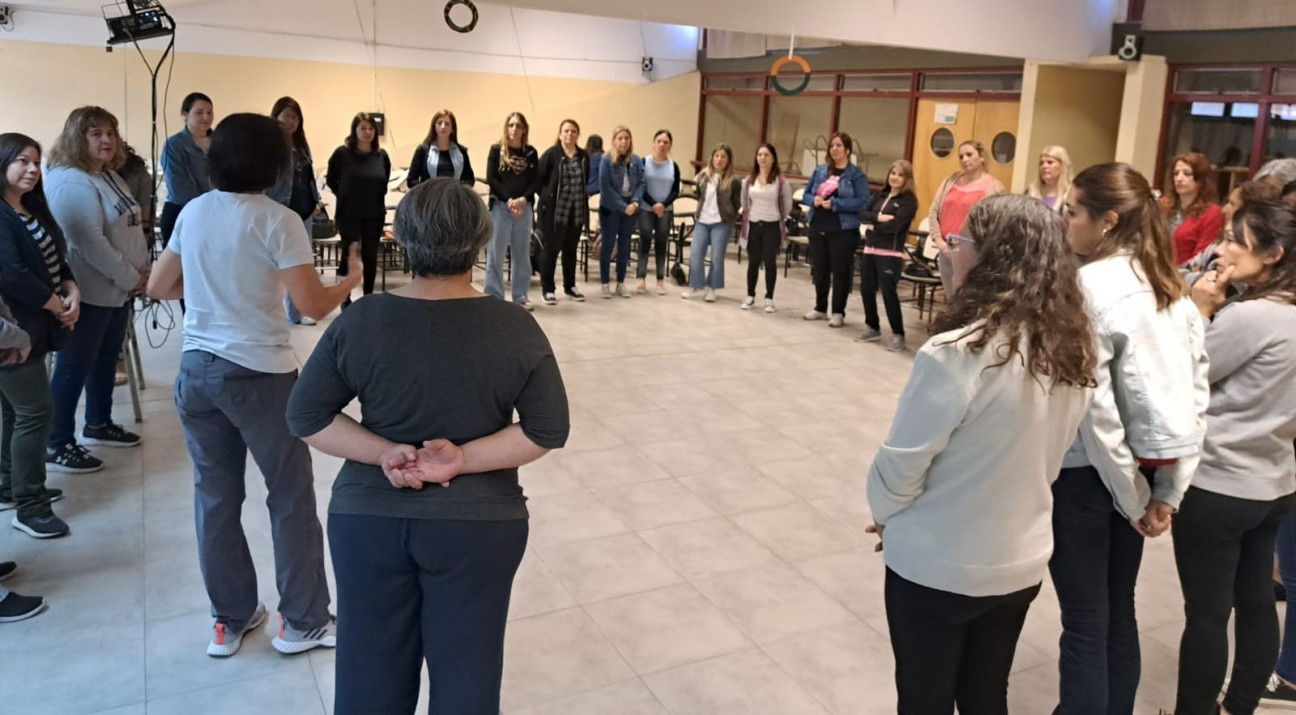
(960, 489)
(513, 173)
(1140, 441)
(836, 193)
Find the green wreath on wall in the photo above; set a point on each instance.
(799, 61)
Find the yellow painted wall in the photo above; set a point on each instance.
(43, 82)
(1076, 107)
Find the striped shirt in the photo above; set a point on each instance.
(47, 246)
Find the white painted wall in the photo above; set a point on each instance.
(409, 33)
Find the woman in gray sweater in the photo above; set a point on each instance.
(109, 255)
(1228, 520)
(962, 484)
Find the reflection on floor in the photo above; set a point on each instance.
(699, 547)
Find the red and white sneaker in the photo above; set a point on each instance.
(225, 642)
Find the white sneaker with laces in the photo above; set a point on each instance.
(815, 315)
(710, 296)
(290, 640)
(769, 305)
(225, 642)
(748, 302)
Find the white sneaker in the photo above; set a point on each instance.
(710, 295)
(837, 320)
(815, 315)
(607, 291)
(622, 291)
(748, 302)
(690, 294)
(769, 305)
(225, 643)
(290, 640)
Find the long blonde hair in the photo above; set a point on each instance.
(615, 156)
(72, 149)
(504, 141)
(1059, 153)
(726, 177)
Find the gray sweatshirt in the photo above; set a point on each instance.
(107, 250)
(963, 482)
(1251, 421)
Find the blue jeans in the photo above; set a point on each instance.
(1286, 668)
(617, 228)
(715, 236)
(88, 362)
(294, 315)
(1095, 564)
(514, 236)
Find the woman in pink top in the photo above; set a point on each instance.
(953, 202)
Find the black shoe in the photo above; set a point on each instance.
(109, 435)
(41, 527)
(7, 569)
(73, 459)
(574, 294)
(1277, 692)
(17, 607)
(550, 299)
(1280, 592)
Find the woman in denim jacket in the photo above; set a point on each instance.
(621, 188)
(1141, 440)
(836, 194)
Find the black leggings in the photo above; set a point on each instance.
(170, 212)
(832, 256)
(562, 239)
(368, 233)
(882, 272)
(950, 648)
(763, 241)
(1224, 550)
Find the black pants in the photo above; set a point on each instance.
(1095, 564)
(882, 272)
(170, 212)
(654, 232)
(833, 257)
(411, 590)
(562, 239)
(1224, 550)
(764, 238)
(953, 649)
(368, 233)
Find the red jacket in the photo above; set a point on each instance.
(1196, 233)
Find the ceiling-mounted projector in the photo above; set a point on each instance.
(144, 19)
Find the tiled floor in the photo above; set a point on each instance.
(697, 548)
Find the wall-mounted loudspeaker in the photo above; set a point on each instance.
(380, 122)
(1127, 40)
(647, 64)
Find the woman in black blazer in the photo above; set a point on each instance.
(39, 288)
(890, 214)
(563, 210)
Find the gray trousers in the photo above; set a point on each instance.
(27, 410)
(228, 410)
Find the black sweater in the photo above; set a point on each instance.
(550, 177)
(508, 185)
(418, 169)
(360, 183)
(890, 235)
(25, 283)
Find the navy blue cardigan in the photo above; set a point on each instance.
(25, 283)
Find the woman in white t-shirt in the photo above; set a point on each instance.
(767, 201)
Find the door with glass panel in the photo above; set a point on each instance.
(942, 124)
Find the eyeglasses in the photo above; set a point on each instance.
(954, 240)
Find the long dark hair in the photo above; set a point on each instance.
(594, 144)
(1025, 289)
(774, 172)
(1140, 228)
(33, 202)
(352, 141)
(431, 139)
(1207, 195)
(299, 137)
(1272, 226)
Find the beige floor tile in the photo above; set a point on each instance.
(797, 532)
(176, 660)
(648, 505)
(610, 467)
(849, 668)
(772, 603)
(631, 697)
(665, 628)
(744, 683)
(555, 655)
(571, 517)
(694, 456)
(92, 669)
(278, 692)
(704, 548)
(536, 590)
(613, 566)
(855, 578)
(738, 490)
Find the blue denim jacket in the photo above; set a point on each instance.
(852, 195)
(184, 167)
(611, 177)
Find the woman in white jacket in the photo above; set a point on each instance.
(1140, 441)
(961, 486)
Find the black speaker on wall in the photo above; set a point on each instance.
(1127, 40)
(380, 122)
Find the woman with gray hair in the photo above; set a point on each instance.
(439, 370)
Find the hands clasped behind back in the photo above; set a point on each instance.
(436, 462)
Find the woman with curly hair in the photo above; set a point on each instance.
(1190, 203)
(961, 486)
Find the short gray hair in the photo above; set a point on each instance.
(442, 225)
(1282, 171)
